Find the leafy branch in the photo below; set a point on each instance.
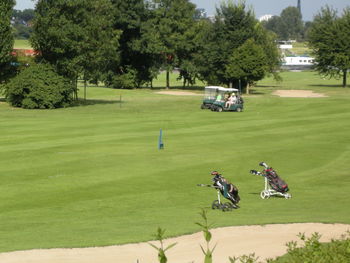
(161, 250)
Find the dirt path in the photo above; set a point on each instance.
(298, 94)
(266, 241)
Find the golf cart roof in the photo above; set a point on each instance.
(222, 89)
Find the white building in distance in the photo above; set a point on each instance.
(265, 18)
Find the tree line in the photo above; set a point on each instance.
(21, 23)
(125, 44)
(328, 37)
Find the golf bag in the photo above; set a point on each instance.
(277, 185)
(224, 186)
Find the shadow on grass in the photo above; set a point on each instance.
(2, 100)
(255, 92)
(268, 86)
(179, 87)
(326, 86)
(89, 102)
(254, 193)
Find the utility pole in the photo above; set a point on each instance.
(299, 6)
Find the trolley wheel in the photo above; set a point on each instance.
(265, 194)
(219, 109)
(223, 207)
(287, 196)
(215, 204)
(239, 110)
(229, 206)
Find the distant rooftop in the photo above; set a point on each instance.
(265, 18)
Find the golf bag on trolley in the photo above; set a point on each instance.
(274, 185)
(227, 190)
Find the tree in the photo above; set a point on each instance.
(329, 38)
(291, 26)
(27, 15)
(165, 33)
(77, 37)
(188, 60)
(21, 21)
(233, 26)
(196, 64)
(274, 25)
(134, 66)
(39, 87)
(6, 38)
(247, 63)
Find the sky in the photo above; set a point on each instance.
(309, 8)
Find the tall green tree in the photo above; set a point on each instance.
(77, 37)
(6, 38)
(166, 32)
(247, 63)
(197, 58)
(329, 38)
(134, 64)
(235, 24)
(291, 26)
(21, 22)
(193, 47)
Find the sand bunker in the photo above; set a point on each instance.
(265, 241)
(178, 93)
(298, 94)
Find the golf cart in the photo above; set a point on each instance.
(210, 94)
(222, 102)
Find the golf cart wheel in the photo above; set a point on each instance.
(239, 110)
(203, 107)
(213, 108)
(265, 194)
(215, 204)
(219, 109)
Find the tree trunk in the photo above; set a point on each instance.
(167, 79)
(230, 85)
(75, 91)
(85, 89)
(344, 78)
(247, 88)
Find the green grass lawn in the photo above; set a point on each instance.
(93, 175)
(22, 44)
(301, 48)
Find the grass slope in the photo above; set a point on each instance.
(93, 176)
(22, 44)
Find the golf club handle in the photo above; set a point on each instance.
(255, 172)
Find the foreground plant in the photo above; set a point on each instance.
(251, 258)
(314, 251)
(207, 236)
(161, 250)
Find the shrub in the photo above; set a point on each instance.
(39, 87)
(127, 80)
(314, 251)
